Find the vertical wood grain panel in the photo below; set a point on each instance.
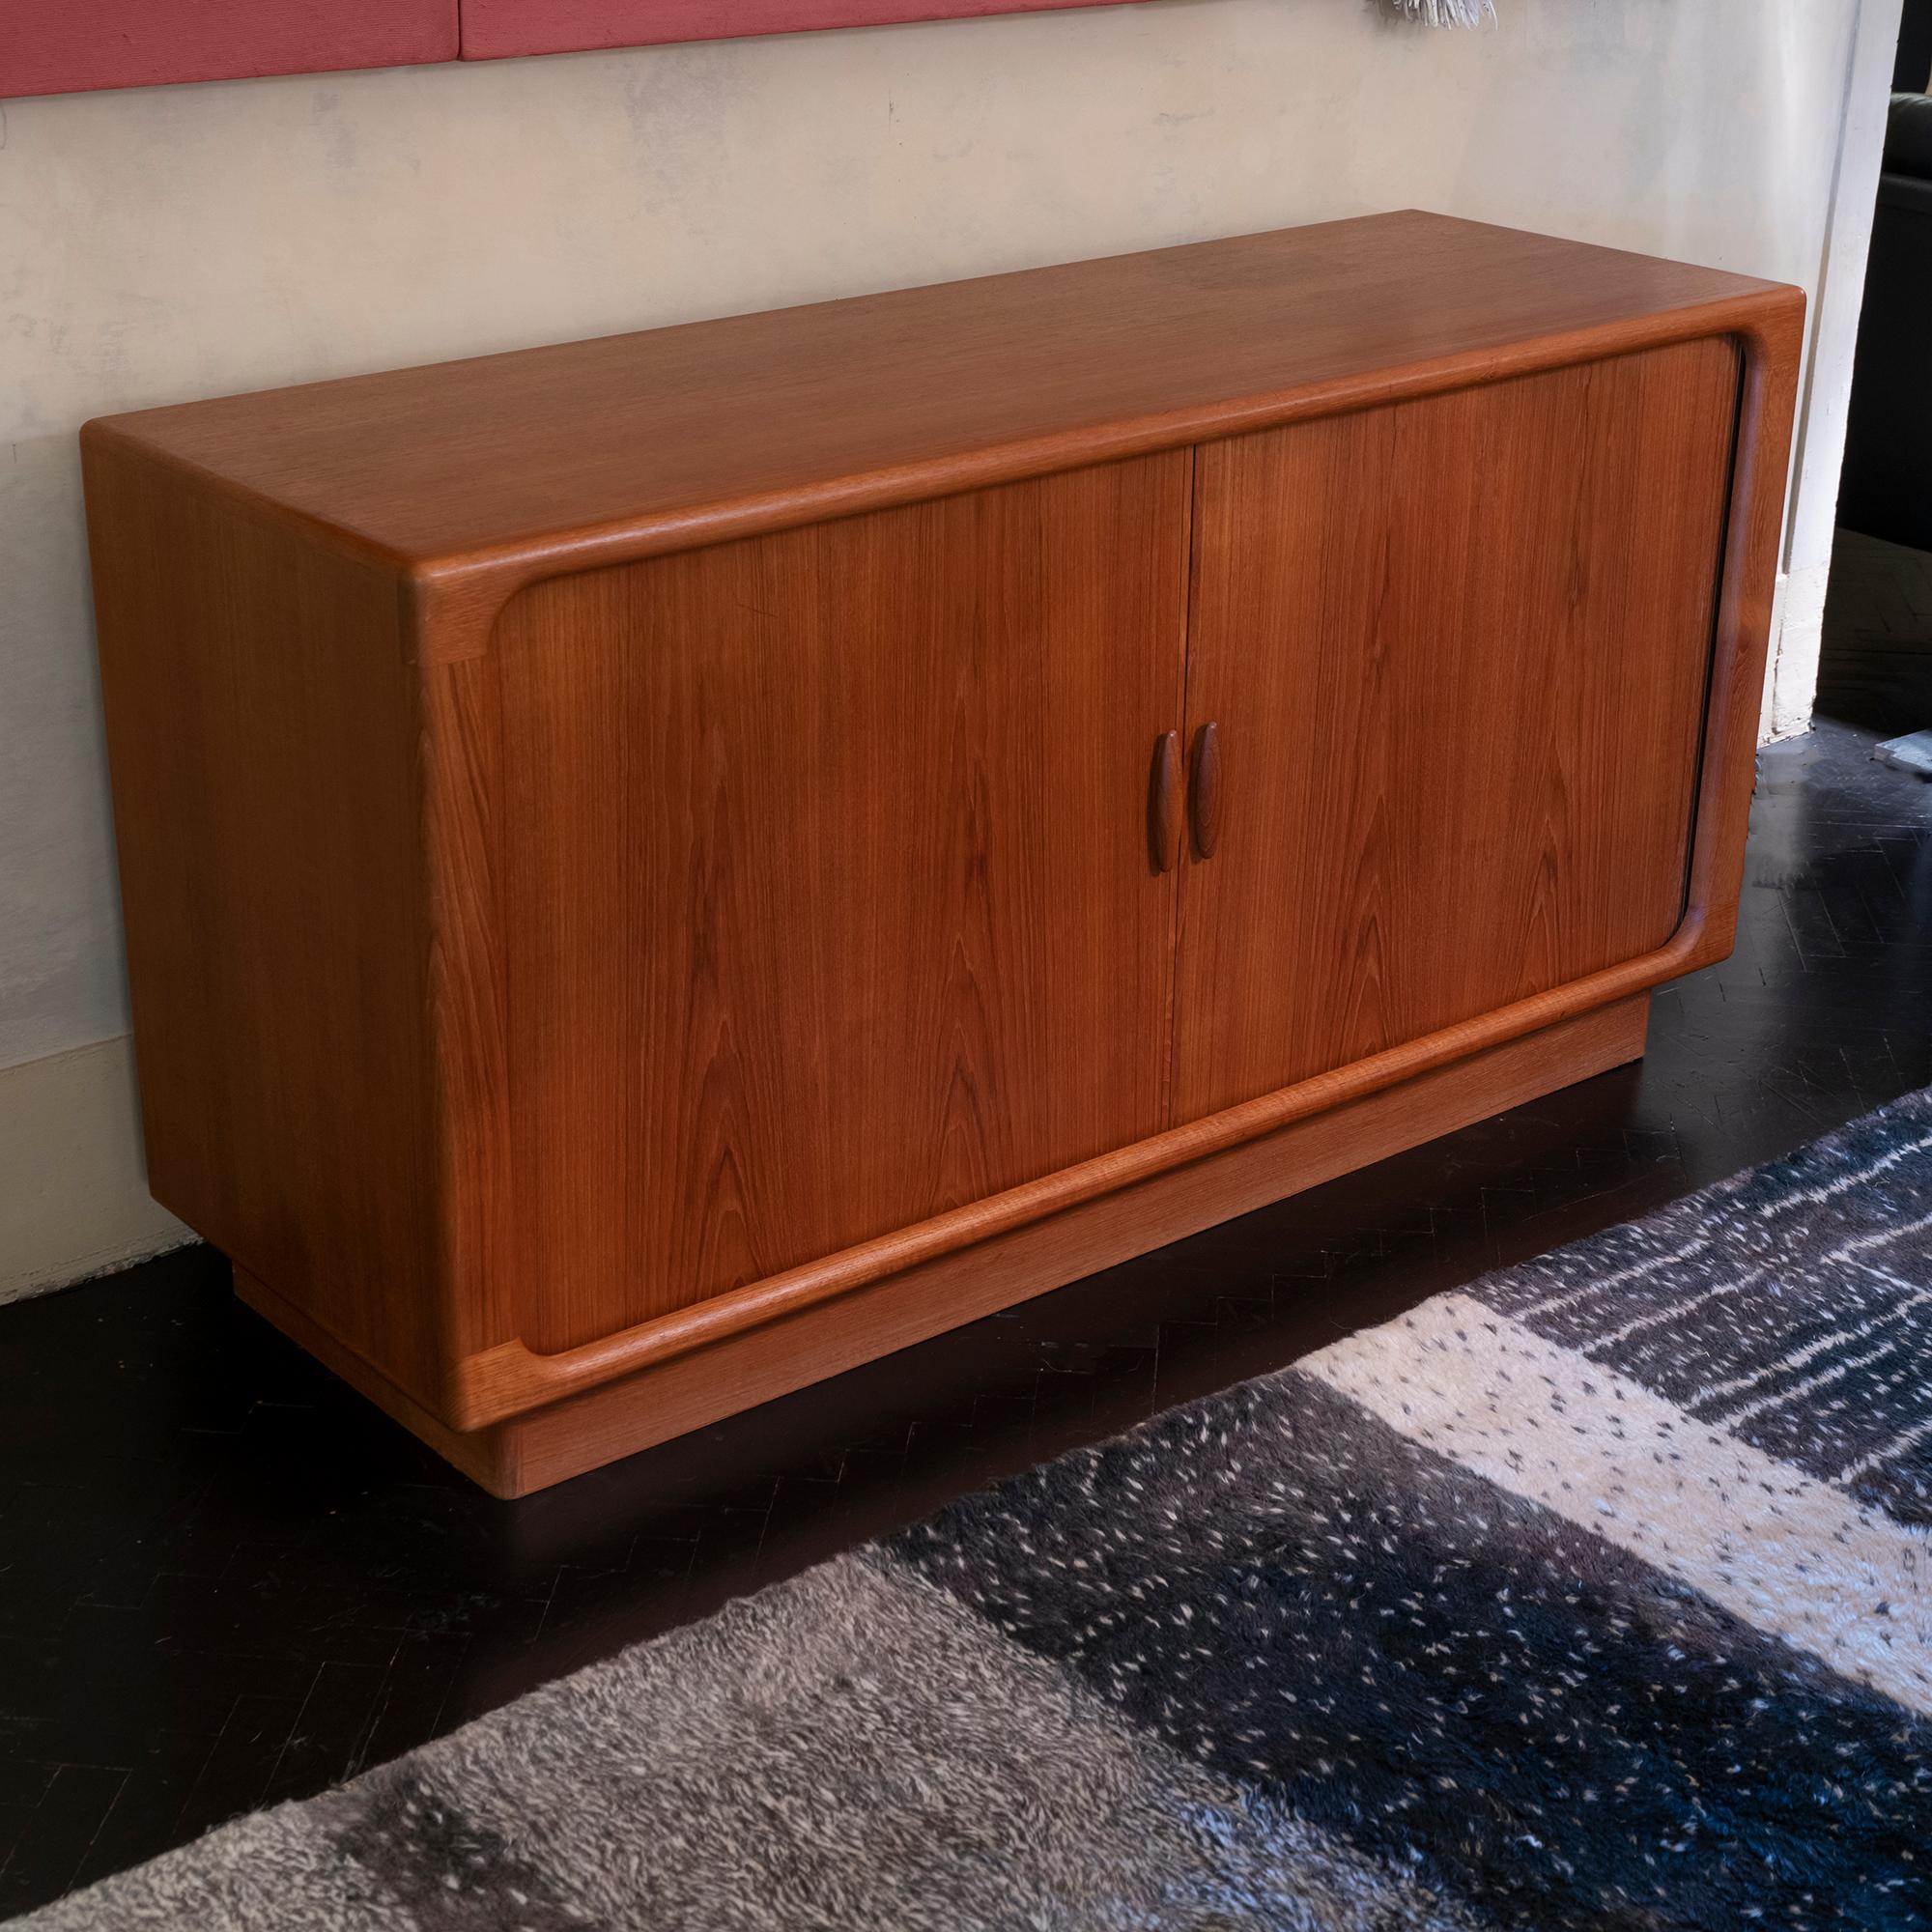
(1458, 649)
(476, 1190)
(261, 729)
(829, 904)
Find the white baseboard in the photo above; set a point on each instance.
(74, 1189)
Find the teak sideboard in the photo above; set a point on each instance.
(659, 868)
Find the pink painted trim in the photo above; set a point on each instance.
(69, 46)
(495, 29)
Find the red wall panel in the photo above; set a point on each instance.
(494, 28)
(64, 46)
(67, 46)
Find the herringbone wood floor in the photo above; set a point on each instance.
(226, 1580)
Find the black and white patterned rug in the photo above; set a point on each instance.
(1594, 1594)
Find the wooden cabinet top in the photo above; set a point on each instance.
(591, 451)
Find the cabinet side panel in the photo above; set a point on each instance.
(262, 739)
(827, 890)
(1457, 649)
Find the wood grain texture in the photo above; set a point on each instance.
(565, 914)
(266, 801)
(478, 476)
(69, 47)
(549, 1444)
(1772, 343)
(826, 905)
(500, 1381)
(1463, 645)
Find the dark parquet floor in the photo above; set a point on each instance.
(226, 1580)
(1876, 666)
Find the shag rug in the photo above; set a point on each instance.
(1594, 1596)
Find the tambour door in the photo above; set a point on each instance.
(1448, 668)
(834, 902)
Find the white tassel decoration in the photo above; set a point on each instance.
(1449, 13)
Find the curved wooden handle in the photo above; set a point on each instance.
(1164, 802)
(1207, 789)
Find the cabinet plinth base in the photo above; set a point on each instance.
(583, 1432)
